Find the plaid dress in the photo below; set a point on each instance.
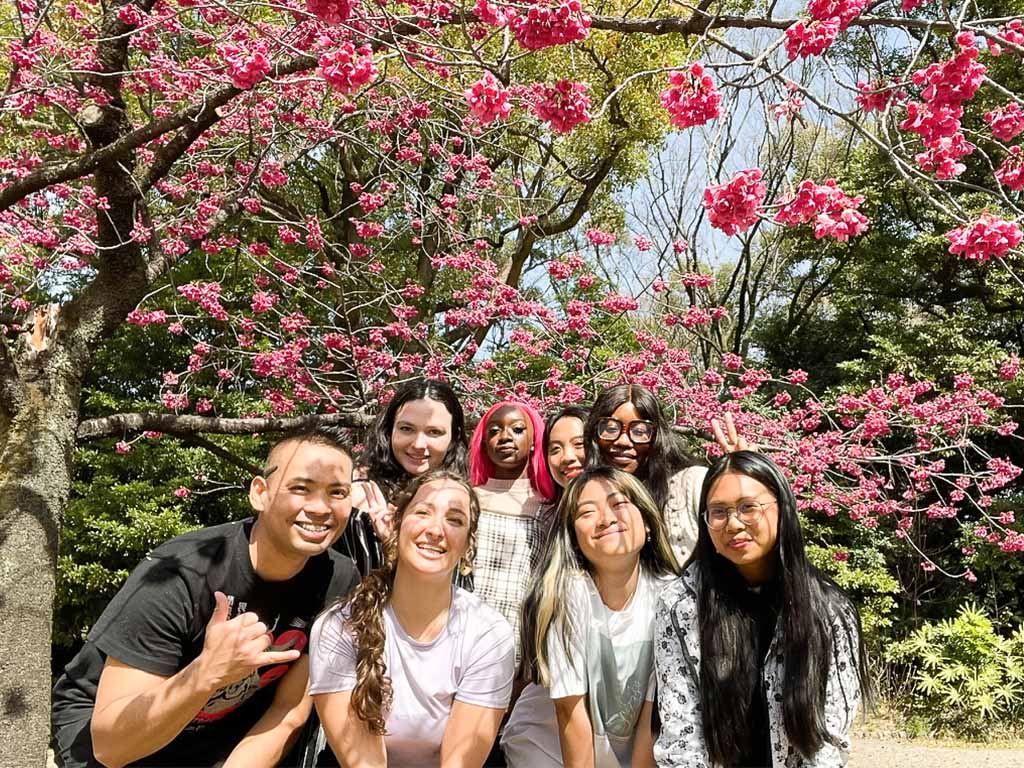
(510, 537)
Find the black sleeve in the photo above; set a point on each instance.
(149, 622)
(344, 579)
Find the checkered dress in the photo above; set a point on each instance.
(510, 539)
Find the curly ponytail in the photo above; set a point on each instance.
(371, 698)
(372, 695)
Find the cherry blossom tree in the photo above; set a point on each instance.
(320, 199)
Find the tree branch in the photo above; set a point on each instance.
(180, 426)
(218, 451)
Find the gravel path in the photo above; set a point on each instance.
(878, 753)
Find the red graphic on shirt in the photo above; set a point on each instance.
(231, 697)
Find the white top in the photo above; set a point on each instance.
(681, 510)
(611, 663)
(471, 660)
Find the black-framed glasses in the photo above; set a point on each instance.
(747, 512)
(638, 430)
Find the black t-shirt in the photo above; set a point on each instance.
(157, 623)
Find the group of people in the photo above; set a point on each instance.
(575, 592)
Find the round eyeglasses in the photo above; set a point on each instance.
(639, 431)
(747, 512)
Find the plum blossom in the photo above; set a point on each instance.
(986, 237)
(734, 206)
(691, 98)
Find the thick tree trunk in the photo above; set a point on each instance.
(36, 440)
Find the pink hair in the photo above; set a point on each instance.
(481, 468)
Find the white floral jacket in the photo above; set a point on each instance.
(680, 742)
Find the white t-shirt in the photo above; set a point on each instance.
(472, 660)
(612, 664)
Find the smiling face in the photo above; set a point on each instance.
(508, 439)
(304, 499)
(623, 452)
(421, 435)
(434, 531)
(608, 526)
(566, 449)
(750, 548)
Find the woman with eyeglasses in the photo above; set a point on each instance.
(759, 655)
(588, 631)
(628, 430)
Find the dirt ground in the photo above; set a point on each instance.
(885, 753)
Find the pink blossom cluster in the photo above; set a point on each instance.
(546, 23)
(331, 11)
(141, 317)
(207, 296)
(946, 85)
(843, 11)
(1006, 122)
(810, 38)
(492, 15)
(600, 237)
(943, 156)
(986, 237)
(563, 105)
(734, 206)
(692, 97)
(247, 63)
(347, 68)
(875, 96)
(1012, 32)
(834, 213)
(488, 99)
(1011, 173)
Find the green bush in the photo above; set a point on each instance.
(967, 680)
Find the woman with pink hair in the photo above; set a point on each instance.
(509, 471)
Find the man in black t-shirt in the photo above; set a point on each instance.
(200, 659)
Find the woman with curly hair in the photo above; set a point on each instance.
(588, 631)
(409, 670)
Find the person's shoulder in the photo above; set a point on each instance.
(692, 475)
(478, 614)
(676, 589)
(201, 550)
(344, 574)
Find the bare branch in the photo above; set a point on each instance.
(122, 423)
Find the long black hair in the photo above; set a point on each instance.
(809, 607)
(382, 466)
(666, 455)
(568, 412)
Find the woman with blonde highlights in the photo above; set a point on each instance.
(409, 670)
(588, 629)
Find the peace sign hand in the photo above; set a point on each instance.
(729, 439)
(376, 506)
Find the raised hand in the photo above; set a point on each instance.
(233, 648)
(376, 506)
(729, 439)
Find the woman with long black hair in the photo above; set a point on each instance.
(759, 655)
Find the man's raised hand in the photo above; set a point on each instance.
(234, 648)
